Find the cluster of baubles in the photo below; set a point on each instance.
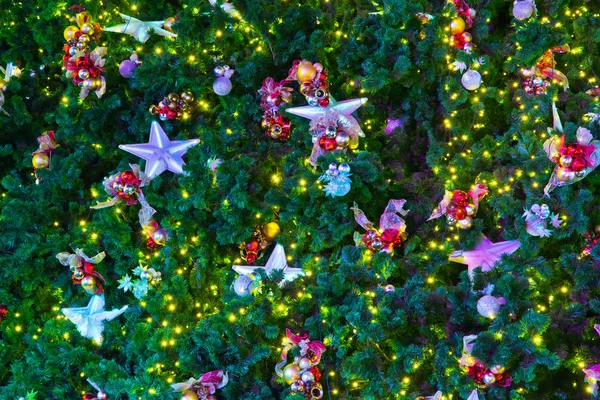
(313, 83)
(460, 211)
(572, 163)
(156, 235)
(331, 136)
(276, 125)
(461, 39)
(125, 185)
(198, 392)
(82, 270)
(261, 238)
(47, 144)
(173, 106)
(83, 67)
(303, 375)
(337, 179)
(127, 67)
(532, 82)
(101, 395)
(591, 240)
(222, 85)
(384, 241)
(494, 376)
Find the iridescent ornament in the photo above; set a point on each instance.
(338, 180)
(304, 363)
(297, 387)
(489, 306)
(489, 378)
(222, 85)
(465, 223)
(291, 373)
(40, 160)
(523, 9)
(243, 285)
(471, 80)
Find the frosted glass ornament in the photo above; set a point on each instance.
(471, 80)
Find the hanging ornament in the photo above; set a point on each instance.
(160, 153)
(222, 85)
(489, 306)
(485, 255)
(337, 179)
(90, 320)
(460, 207)
(3, 312)
(523, 9)
(127, 67)
(592, 374)
(82, 269)
(591, 240)
(141, 30)
(481, 374)
(277, 261)
(262, 236)
(460, 24)
(471, 80)
(536, 79)
(203, 388)
(43, 155)
(391, 232)
(8, 72)
(574, 161)
(303, 373)
(84, 67)
(139, 288)
(100, 395)
(173, 106)
(536, 220)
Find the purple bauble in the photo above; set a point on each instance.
(126, 68)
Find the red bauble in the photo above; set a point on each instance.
(460, 196)
(578, 164)
(574, 150)
(460, 213)
(458, 41)
(327, 144)
(128, 177)
(89, 396)
(323, 102)
(250, 257)
(151, 244)
(3, 312)
(316, 373)
(391, 236)
(253, 246)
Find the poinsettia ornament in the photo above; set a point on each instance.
(460, 207)
(203, 388)
(391, 232)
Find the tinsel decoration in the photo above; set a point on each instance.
(82, 269)
(312, 79)
(84, 67)
(43, 155)
(262, 236)
(99, 395)
(461, 39)
(536, 220)
(337, 179)
(536, 79)
(203, 388)
(173, 106)
(391, 232)
(573, 161)
(592, 374)
(482, 375)
(460, 207)
(139, 287)
(303, 373)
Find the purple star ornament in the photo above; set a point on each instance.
(160, 153)
(485, 255)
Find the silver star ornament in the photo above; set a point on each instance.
(276, 261)
(140, 29)
(90, 320)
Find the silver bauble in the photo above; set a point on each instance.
(488, 306)
(243, 285)
(470, 209)
(222, 86)
(565, 160)
(465, 223)
(489, 378)
(219, 71)
(522, 9)
(330, 131)
(471, 80)
(297, 387)
(128, 189)
(308, 377)
(345, 168)
(342, 139)
(304, 363)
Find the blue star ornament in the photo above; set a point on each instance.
(160, 153)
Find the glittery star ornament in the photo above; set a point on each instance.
(485, 255)
(160, 153)
(276, 261)
(343, 108)
(90, 320)
(140, 29)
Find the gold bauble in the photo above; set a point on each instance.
(40, 160)
(353, 142)
(168, 24)
(291, 373)
(467, 37)
(2, 84)
(70, 32)
(271, 230)
(306, 71)
(89, 284)
(188, 395)
(457, 26)
(187, 96)
(88, 29)
(173, 97)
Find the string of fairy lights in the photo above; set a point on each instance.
(457, 147)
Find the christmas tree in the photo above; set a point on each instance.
(245, 252)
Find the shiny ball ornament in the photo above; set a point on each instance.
(488, 306)
(471, 80)
(497, 369)
(81, 46)
(88, 84)
(271, 230)
(304, 363)
(70, 32)
(291, 373)
(275, 131)
(489, 378)
(353, 142)
(544, 211)
(470, 209)
(297, 387)
(243, 286)
(188, 97)
(565, 175)
(128, 190)
(465, 223)
(126, 68)
(527, 72)
(88, 284)
(306, 71)
(389, 288)
(457, 26)
(84, 39)
(118, 186)
(40, 160)
(308, 377)
(160, 236)
(173, 97)
(145, 275)
(342, 138)
(522, 9)
(222, 86)
(330, 131)
(376, 244)
(102, 395)
(72, 51)
(344, 168)
(78, 273)
(219, 70)
(316, 391)
(87, 29)
(565, 161)
(189, 395)
(468, 48)
(2, 84)
(467, 37)
(578, 164)
(450, 220)
(579, 174)
(83, 74)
